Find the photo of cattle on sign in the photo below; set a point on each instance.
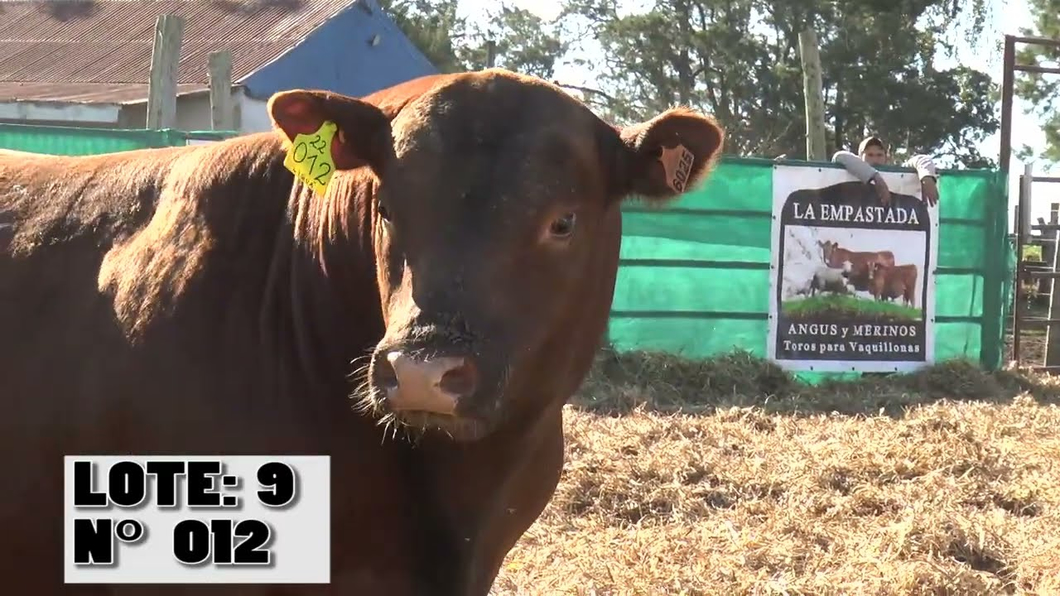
(873, 272)
(422, 320)
(852, 288)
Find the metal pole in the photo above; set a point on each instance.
(1021, 210)
(1024, 205)
(1041, 41)
(1006, 103)
(1038, 69)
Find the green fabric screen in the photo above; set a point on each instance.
(694, 278)
(69, 140)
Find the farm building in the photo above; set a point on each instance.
(87, 62)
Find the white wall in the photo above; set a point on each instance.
(70, 114)
(193, 113)
(254, 115)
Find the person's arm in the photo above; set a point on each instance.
(924, 166)
(855, 165)
(864, 172)
(925, 170)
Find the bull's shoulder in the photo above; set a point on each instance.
(153, 220)
(83, 189)
(50, 197)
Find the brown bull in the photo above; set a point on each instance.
(450, 286)
(835, 256)
(890, 282)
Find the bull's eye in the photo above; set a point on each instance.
(562, 227)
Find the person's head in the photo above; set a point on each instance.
(873, 151)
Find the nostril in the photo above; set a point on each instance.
(460, 380)
(384, 375)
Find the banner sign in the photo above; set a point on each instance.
(852, 278)
(197, 520)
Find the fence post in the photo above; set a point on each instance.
(220, 64)
(165, 61)
(1025, 200)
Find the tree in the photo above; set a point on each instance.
(432, 26)
(739, 60)
(523, 42)
(1042, 90)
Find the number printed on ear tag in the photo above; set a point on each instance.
(677, 164)
(309, 157)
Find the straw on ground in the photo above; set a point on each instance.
(728, 477)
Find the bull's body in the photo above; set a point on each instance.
(152, 309)
(860, 261)
(198, 300)
(888, 283)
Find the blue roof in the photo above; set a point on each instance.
(339, 56)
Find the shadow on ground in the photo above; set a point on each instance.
(620, 383)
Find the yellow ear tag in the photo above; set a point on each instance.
(309, 157)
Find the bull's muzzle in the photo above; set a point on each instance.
(435, 385)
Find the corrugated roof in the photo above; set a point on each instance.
(100, 50)
(81, 92)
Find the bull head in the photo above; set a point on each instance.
(495, 228)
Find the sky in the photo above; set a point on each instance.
(1026, 130)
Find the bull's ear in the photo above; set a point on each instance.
(363, 135)
(669, 154)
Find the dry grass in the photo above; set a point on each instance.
(728, 477)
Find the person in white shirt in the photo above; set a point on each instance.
(874, 153)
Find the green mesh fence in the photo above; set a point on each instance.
(68, 140)
(694, 278)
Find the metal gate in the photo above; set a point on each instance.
(1048, 269)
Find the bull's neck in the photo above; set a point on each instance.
(329, 286)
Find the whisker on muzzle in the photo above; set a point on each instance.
(368, 400)
(360, 366)
(362, 393)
